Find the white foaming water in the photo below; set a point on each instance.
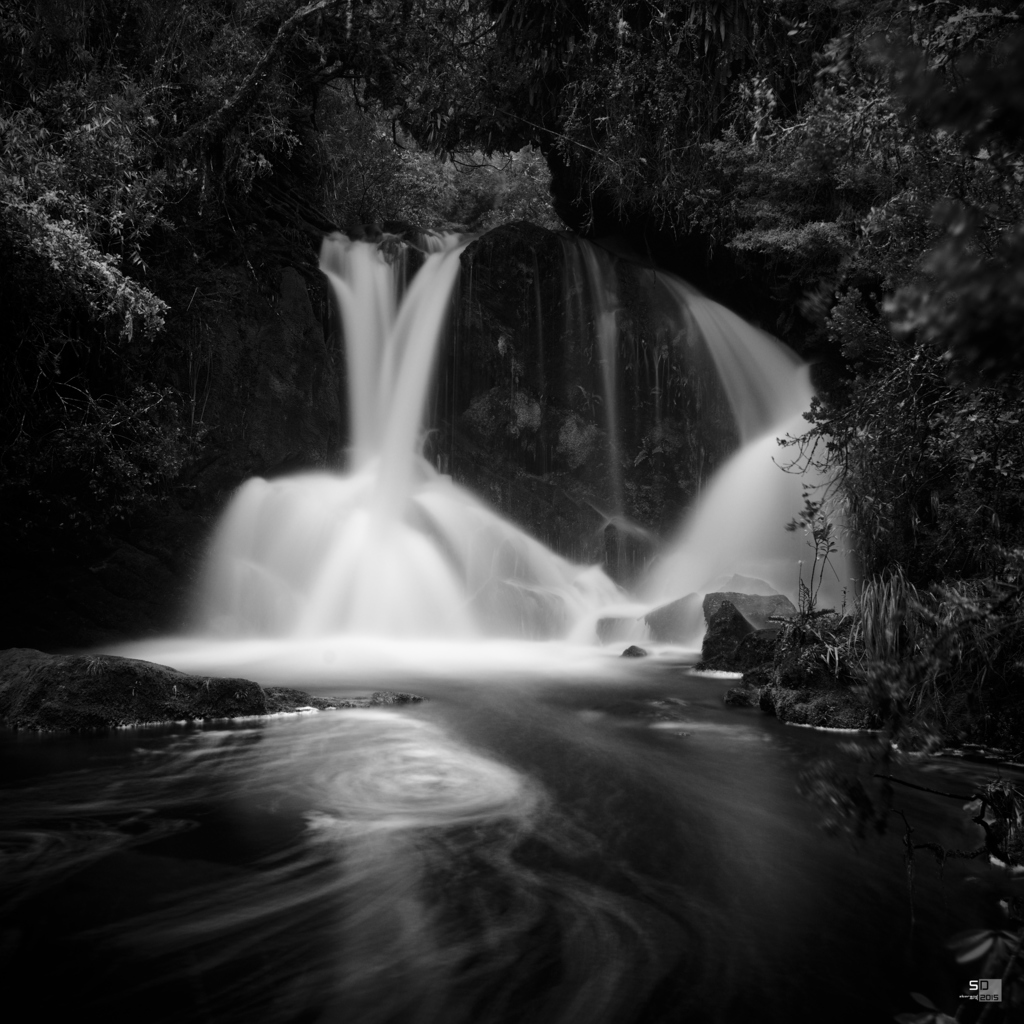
(766, 382)
(600, 274)
(391, 549)
(738, 525)
(313, 555)
(394, 550)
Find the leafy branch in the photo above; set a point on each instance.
(814, 521)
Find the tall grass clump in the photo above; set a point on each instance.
(889, 616)
(947, 664)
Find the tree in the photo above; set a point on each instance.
(970, 304)
(135, 135)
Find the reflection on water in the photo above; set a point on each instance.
(563, 854)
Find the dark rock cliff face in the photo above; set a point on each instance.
(521, 415)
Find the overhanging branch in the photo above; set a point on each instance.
(222, 122)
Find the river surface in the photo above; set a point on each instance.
(513, 849)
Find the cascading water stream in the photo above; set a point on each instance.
(393, 549)
(600, 273)
(738, 524)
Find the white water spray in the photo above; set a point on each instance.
(738, 524)
(600, 272)
(391, 548)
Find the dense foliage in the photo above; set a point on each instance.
(860, 165)
(142, 144)
(863, 164)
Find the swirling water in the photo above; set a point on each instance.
(621, 849)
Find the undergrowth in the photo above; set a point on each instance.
(938, 667)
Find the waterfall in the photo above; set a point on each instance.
(393, 548)
(601, 279)
(738, 523)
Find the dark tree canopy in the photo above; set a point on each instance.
(852, 173)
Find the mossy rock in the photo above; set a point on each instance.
(834, 708)
(95, 692)
(743, 696)
(726, 628)
(755, 681)
(755, 608)
(807, 667)
(755, 649)
(758, 676)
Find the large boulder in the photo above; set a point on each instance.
(634, 652)
(676, 622)
(833, 708)
(742, 696)
(726, 628)
(755, 649)
(800, 678)
(737, 584)
(806, 667)
(53, 691)
(99, 691)
(755, 608)
(748, 693)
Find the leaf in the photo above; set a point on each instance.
(975, 952)
(923, 1000)
(966, 939)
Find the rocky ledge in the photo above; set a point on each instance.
(94, 692)
(793, 666)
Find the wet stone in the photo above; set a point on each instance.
(634, 652)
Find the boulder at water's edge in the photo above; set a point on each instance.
(676, 622)
(98, 691)
(755, 608)
(91, 692)
(726, 628)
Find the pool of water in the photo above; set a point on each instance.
(615, 849)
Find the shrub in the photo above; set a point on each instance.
(100, 463)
